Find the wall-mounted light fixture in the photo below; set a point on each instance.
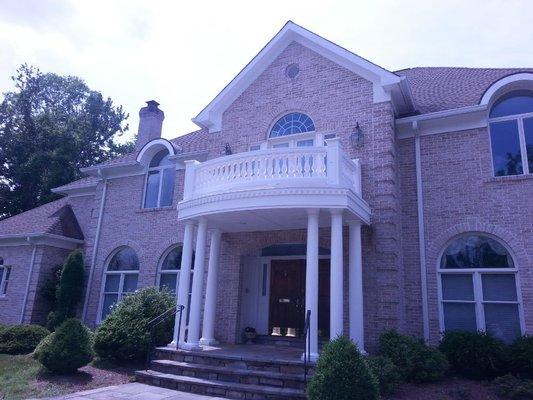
(357, 137)
(227, 150)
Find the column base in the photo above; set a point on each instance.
(313, 357)
(208, 342)
(190, 346)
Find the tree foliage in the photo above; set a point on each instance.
(50, 127)
(69, 291)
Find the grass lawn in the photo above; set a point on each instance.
(22, 377)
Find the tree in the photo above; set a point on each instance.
(50, 127)
(69, 291)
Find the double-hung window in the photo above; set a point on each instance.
(160, 181)
(478, 288)
(5, 271)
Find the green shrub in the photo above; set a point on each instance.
(67, 349)
(21, 339)
(342, 374)
(514, 388)
(521, 357)
(69, 291)
(415, 360)
(474, 355)
(124, 334)
(386, 372)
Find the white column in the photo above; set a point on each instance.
(357, 330)
(311, 282)
(183, 286)
(336, 279)
(193, 334)
(208, 330)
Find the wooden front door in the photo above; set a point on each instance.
(287, 295)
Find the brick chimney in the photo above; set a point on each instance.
(150, 123)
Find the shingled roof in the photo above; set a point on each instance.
(445, 88)
(55, 218)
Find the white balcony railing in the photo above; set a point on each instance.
(282, 167)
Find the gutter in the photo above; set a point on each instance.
(30, 273)
(95, 245)
(421, 233)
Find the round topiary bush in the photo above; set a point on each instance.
(21, 339)
(415, 360)
(342, 374)
(474, 355)
(70, 347)
(386, 372)
(124, 334)
(521, 357)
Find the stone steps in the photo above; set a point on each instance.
(230, 390)
(229, 374)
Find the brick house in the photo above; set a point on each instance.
(317, 181)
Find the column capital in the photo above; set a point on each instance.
(336, 211)
(355, 223)
(313, 211)
(190, 222)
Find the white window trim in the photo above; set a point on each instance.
(160, 169)
(519, 118)
(3, 281)
(292, 140)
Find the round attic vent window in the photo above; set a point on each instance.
(292, 71)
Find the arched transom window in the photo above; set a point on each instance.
(121, 276)
(4, 277)
(160, 181)
(511, 134)
(292, 123)
(478, 288)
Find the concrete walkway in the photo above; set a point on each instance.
(133, 391)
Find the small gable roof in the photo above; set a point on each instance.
(387, 85)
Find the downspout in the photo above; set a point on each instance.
(421, 233)
(95, 245)
(30, 273)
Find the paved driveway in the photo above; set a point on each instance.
(133, 391)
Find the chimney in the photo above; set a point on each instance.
(150, 123)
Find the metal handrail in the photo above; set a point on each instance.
(158, 320)
(307, 345)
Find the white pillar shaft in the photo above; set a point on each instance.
(311, 282)
(193, 336)
(336, 279)
(357, 332)
(208, 330)
(185, 277)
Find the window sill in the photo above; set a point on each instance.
(150, 210)
(3, 298)
(509, 178)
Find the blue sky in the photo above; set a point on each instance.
(182, 53)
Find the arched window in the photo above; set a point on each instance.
(292, 123)
(169, 271)
(160, 181)
(511, 134)
(4, 277)
(478, 290)
(121, 275)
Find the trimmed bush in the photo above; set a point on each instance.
(124, 334)
(521, 357)
(474, 355)
(70, 347)
(415, 360)
(514, 388)
(342, 374)
(21, 339)
(69, 291)
(386, 372)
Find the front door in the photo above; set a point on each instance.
(287, 297)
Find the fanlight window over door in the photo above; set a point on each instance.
(478, 288)
(291, 124)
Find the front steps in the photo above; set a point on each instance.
(226, 375)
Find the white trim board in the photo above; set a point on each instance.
(387, 85)
(45, 239)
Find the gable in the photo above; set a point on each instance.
(387, 86)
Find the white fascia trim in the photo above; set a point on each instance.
(130, 168)
(45, 239)
(458, 119)
(152, 147)
(77, 191)
(383, 80)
